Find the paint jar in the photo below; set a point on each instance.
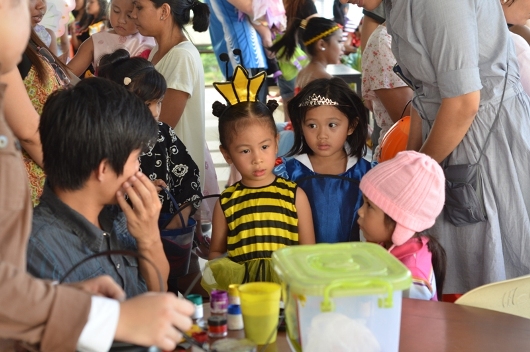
(217, 326)
(233, 294)
(234, 317)
(197, 302)
(218, 302)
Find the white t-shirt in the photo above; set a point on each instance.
(182, 68)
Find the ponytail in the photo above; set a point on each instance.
(201, 16)
(288, 41)
(439, 263)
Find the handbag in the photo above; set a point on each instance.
(464, 194)
(178, 242)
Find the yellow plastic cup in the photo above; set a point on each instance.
(260, 306)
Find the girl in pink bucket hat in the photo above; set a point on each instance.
(402, 197)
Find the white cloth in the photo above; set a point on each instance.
(107, 43)
(182, 68)
(99, 331)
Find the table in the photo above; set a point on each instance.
(348, 74)
(439, 326)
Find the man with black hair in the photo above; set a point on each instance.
(92, 136)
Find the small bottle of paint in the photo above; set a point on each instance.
(217, 326)
(198, 315)
(233, 294)
(218, 302)
(234, 317)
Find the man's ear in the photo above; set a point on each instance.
(103, 170)
(226, 155)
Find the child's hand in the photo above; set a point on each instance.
(159, 184)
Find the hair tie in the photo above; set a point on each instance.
(303, 23)
(126, 81)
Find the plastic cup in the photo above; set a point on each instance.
(260, 306)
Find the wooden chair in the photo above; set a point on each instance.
(510, 296)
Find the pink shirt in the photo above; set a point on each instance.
(417, 258)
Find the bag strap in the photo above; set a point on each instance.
(187, 204)
(496, 116)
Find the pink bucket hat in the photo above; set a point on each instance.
(410, 188)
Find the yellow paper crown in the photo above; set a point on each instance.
(242, 88)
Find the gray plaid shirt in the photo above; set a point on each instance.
(61, 237)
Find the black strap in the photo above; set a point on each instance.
(24, 66)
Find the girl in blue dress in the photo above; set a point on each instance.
(330, 131)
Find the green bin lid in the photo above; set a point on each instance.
(353, 268)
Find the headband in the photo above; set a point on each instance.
(322, 35)
(242, 88)
(317, 100)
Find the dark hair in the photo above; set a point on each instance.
(38, 62)
(236, 117)
(181, 9)
(439, 257)
(146, 82)
(338, 12)
(349, 104)
(315, 26)
(87, 19)
(299, 9)
(86, 124)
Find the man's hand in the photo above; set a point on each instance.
(142, 223)
(152, 319)
(142, 216)
(101, 286)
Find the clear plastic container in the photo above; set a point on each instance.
(358, 283)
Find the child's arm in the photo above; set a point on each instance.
(82, 58)
(219, 233)
(53, 43)
(306, 231)
(173, 106)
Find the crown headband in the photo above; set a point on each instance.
(317, 100)
(242, 88)
(322, 35)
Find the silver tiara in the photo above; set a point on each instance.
(317, 100)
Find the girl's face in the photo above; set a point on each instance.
(15, 29)
(37, 10)
(325, 129)
(120, 11)
(334, 48)
(146, 17)
(372, 223)
(80, 4)
(517, 11)
(92, 7)
(253, 153)
(155, 106)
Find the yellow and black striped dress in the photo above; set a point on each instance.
(260, 221)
